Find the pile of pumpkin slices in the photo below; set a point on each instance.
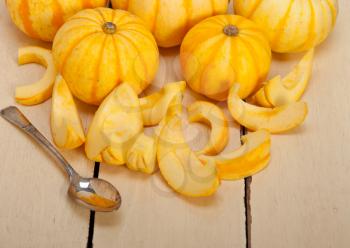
(116, 135)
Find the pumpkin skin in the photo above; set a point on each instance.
(223, 50)
(291, 25)
(40, 19)
(97, 49)
(169, 20)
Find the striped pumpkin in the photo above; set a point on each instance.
(40, 19)
(291, 25)
(169, 20)
(223, 50)
(97, 49)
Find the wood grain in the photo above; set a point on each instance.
(35, 210)
(302, 199)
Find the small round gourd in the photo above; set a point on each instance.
(291, 25)
(222, 50)
(97, 49)
(40, 19)
(169, 20)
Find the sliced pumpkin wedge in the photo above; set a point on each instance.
(211, 115)
(66, 127)
(260, 97)
(274, 120)
(41, 90)
(142, 154)
(252, 157)
(292, 87)
(281, 91)
(154, 107)
(115, 127)
(180, 166)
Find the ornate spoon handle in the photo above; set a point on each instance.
(13, 115)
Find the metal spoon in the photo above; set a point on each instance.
(93, 193)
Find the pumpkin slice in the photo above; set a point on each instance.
(41, 90)
(95, 200)
(211, 115)
(180, 166)
(274, 120)
(280, 91)
(115, 127)
(142, 154)
(252, 157)
(66, 128)
(154, 107)
(292, 87)
(260, 97)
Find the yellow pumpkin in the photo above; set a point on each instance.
(169, 20)
(222, 50)
(40, 19)
(97, 49)
(291, 25)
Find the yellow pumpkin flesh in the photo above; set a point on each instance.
(95, 50)
(170, 20)
(291, 25)
(222, 50)
(40, 19)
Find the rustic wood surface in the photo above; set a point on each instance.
(301, 200)
(35, 210)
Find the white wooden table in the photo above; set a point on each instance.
(301, 200)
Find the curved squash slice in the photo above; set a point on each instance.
(211, 115)
(180, 166)
(280, 91)
(96, 200)
(142, 154)
(292, 87)
(66, 128)
(274, 120)
(40, 91)
(252, 157)
(260, 97)
(154, 107)
(115, 127)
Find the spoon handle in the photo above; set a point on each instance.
(13, 115)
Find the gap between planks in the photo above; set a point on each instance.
(247, 184)
(248, 215)
(90, 238)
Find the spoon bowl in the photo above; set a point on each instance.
(95, 193)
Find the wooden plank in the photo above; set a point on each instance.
(302, 199)
(35, 210)
(153, 216)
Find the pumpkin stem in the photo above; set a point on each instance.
(109, 28)
(231, 30)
